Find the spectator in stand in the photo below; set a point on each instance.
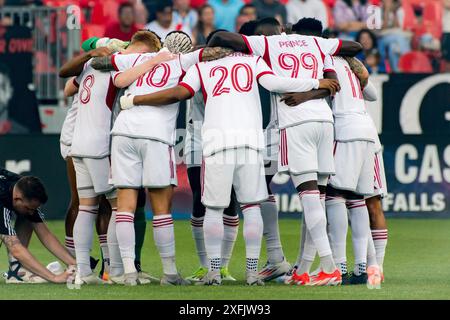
(164, 23)
(240, 21)
(226, 13)
(393, 41)
(446, 35)
(350, 17)
(205, 25)
(297, 9)
(126, 27)
(248, 10)
(183, 15)
(269, 9)
(370, 55)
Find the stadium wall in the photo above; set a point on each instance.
(412, 118)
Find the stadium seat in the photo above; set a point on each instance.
(90, 30)
(415, 62)
(432, 18)
(43, 63)
(409, 20)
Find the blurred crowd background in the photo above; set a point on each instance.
(38, 36)
(397, 35)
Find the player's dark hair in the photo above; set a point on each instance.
(268, 26)
(212, 33)
(308, 26)
(162, 5)
(32, 189)
(269, 21)
(125, 5)
(248, 28)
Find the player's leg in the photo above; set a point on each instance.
(102, 223)
(197, 219)
(159, 176)
(216, 183)
(374, 205)
(230, 233)
(140, 224)
(250, 186)
(72, 210)
(85, 221)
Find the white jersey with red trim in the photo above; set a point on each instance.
(151, 122)
(233, 116)
(297, 56)
(69, 123)
(96, 94)
(352, 121)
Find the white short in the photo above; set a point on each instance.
(143, 163)
(307, 148)
(380, 184)
(354, 162)
(65, 150)
(241, 168)
(93, 177)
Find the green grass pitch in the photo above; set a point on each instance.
(417, 266)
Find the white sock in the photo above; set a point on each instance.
(271, 232)
(213, 232)
(253, 232)
(380, 239)
(230, 232)
(371, 253)
(199, 239)
(164, 236)
(308, 252)
(83, 233)
(316, 224)
(359, 217)
(115, 259)
(337, 227)
(127, 239)
(70, 245)
(102, 238)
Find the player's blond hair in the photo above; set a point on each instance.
(147, 38)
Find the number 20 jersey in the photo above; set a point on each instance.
(297, 56)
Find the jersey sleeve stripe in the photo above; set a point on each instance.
(191, 91)
(321, 53)
(75, 83)
(113, 62)
(263, 73)
(205, 96)
(250, 51)
(329, 70)
(266, 56)
(136, 60)
(200, 54)
(338, 48)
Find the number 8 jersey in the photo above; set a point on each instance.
(297, 56)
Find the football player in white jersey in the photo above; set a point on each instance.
(143, 155)
(306, 136)
(232, 144)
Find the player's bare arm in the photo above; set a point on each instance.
(127, 77)
(282, 84)
(349, 48)
(160, 98)
(28, 261)
(53, 245)
(70, 88)
(75, 66)
(228, 40)
(296, 98)
(359, 70)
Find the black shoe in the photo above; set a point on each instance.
(361, 279)
(345, 279)
(13, 273)
(93, 262)
(137, 265)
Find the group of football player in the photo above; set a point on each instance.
(119, 135)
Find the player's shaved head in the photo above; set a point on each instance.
(147, 38)
(308, 27)
(248, 28)
(268, 27)
(211, 34)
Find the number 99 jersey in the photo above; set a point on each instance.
(297, 56)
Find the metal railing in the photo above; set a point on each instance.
(53, 44)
